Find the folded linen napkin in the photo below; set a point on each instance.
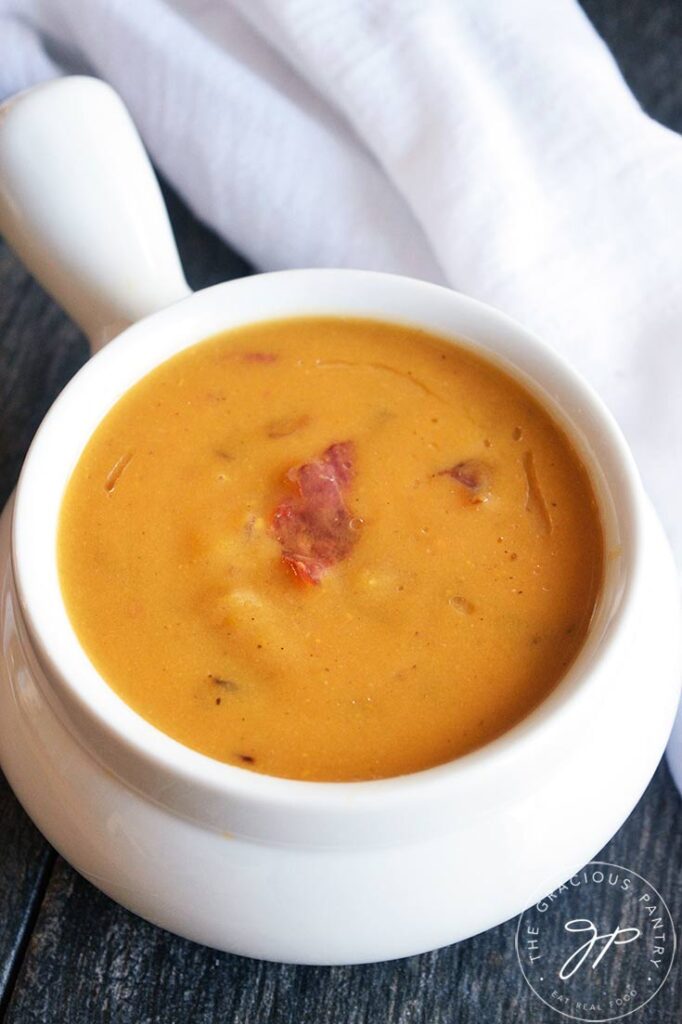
(490, 144)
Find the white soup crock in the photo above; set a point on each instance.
(323, 873)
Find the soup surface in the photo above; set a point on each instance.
(330, 549)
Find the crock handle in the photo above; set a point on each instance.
(80, 205)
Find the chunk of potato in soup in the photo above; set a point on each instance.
(330, 549)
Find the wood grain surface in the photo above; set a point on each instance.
(69, 955)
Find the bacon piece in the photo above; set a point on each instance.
(474, 476)
(315, 528)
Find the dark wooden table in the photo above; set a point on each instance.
(68, 954)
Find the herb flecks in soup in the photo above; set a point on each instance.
(330, 549)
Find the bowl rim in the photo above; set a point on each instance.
(148, 746)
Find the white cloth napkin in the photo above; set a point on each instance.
(489, 143)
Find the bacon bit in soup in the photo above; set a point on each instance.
(286, 425)
(225, 684)
(114, 474)
(258, 357)
(475, 478)
(315, 528)
(535, 499)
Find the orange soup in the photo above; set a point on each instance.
(330, 549)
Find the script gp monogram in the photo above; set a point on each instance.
(618, 937)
